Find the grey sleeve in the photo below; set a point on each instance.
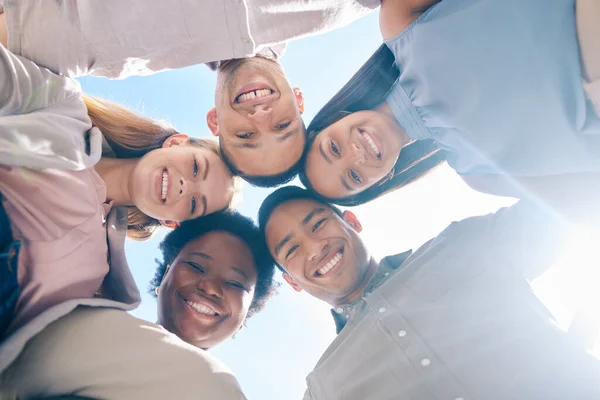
(307, 395)
(43, 120)
(26, 87)
(526, 237)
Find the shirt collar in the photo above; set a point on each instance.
(387, 267)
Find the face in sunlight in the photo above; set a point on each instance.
(320, 251)
(207, 290)
(181, 181)
(353, 154)
(258, 116)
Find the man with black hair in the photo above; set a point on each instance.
(216, 271)
(457, 319)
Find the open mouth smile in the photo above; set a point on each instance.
(163, 185)
(331, 265)
(371, 142)
(202, 308)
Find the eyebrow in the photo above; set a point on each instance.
(346, 185)
(280, 139)
(323, 153)
(311, 214)
(282, 243)
(240, 272)
(204, 205)
(206, 168)
(247, 145)
(286, 136)
(203, 255)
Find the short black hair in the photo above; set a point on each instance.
(283, 195)
(231, 222)
(266, 181)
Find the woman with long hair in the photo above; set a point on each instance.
(71, 193)
(493, 88)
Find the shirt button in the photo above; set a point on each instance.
(339, 310)
(245, 40)
(425, 362)
(386, 274)
(382, 309)
(402, 333)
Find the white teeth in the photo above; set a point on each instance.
(202, 309)
(165, 185)
(372, 143)
(252, 95)
(332, 263)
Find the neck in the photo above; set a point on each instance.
(385, 109)
(116, 174)
(360, 289)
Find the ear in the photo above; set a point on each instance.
(169, 223)
(175, 140)
(291, 282)
(299, 99)
(211, 121)
(351, 220)
(163, 278)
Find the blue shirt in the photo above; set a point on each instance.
(499, 85)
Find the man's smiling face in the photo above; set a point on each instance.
(320, 251)
(258, 117)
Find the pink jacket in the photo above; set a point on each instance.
(60, 215)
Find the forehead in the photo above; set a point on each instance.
(222, 247)
(290, 215)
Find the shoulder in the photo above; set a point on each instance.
(397, 15)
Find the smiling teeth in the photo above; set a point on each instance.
(332, 263)
(372, 144)
(254, 94)
(202, 309)
(165, 185)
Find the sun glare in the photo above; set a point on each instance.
(570, 290)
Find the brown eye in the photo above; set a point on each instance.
(334, 148)
(355, 177)
(283, 125)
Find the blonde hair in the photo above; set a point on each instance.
(131, 136)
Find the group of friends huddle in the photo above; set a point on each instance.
(506, 92)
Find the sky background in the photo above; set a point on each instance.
(280, 346)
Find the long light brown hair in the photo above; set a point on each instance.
(131, 136)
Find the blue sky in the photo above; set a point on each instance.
(281, 345)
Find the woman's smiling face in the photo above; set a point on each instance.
(353, 153)
(207, 290)
(181, 181)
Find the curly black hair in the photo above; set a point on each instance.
(235, 224)
(266, 181)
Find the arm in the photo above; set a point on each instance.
(118, 357)
(576, 197)
(43, 119)
(524, 238)
(396, 15)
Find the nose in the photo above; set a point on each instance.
(316, 249)
(259, 112)
(210, 286)
(358, 154)
(184, 186)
